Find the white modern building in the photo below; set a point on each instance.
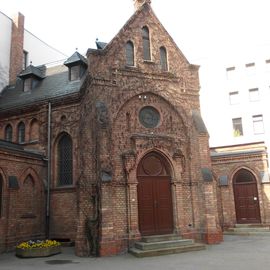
(19, 47)
(235, 95)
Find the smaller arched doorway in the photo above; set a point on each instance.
(246, 199)
(154, 195)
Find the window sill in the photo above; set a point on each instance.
(131, 67)
(61, 189)
(28, 215)
(149, 62)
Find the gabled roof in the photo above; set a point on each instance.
(31, 70)
(74, 59)
(145, 6)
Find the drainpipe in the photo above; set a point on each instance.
(48, 172)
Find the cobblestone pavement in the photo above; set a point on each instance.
(235, 253)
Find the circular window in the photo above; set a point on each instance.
(149, 117)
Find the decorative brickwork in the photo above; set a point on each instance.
(227, 161)
(99, 210)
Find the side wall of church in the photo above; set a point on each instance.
(23, 199)
(225, 167)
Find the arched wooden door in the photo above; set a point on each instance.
(154, 196)
(246, 199)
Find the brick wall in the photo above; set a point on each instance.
(63, 200)
(24, 206)
(100, 209)
(252, 157)
(120, 140)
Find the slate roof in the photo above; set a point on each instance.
(101, 45)
(75, 58)
(9, 146)
(31, 70)
(198, 121)
(55, 84)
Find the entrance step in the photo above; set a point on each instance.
(249, 229)
(160, 238)
(252, 225)
(163, 245)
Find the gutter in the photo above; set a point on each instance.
(47, 232)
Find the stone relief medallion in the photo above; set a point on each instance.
(149, 117)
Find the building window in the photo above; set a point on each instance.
(234, 98)
(65, 161)
(25, 59)
(250, 69)
(74, 73)
(1, 195)
(21, 132)
(27, 85)
(163, 59)
(146, 44)
(254, 94)
(8, 133)
(237, 127)
(129, 54)
(34, 130)
(230, 72)
(258, 127)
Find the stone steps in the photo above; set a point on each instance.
(164, 245)
(249, 229)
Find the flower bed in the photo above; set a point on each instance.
(38, 248)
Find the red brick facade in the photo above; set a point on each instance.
(99, 209)
(226, 162)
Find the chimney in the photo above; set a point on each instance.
(139, 3)
(16, 48)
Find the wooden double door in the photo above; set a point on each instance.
(246, 198)
(154, 196)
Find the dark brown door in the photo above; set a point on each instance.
(246, 197)
(154, 196)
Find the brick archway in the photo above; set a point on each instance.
(154, 195)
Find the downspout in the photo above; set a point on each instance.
(48, 172)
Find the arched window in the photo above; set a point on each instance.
(34, 130)
(21, 132)
(28, 193)
(8, 133)
(129, 54)
(163, 59)
(1, 194)
(146, 44)
(65, 161)
(244, 176)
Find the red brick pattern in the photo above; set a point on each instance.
(228, 166)
(100, 210)
(16, 50)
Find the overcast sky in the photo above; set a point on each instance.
(199, 27)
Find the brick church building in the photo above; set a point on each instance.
(104, 150)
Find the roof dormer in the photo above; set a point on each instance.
(31, 76)
(77, 65)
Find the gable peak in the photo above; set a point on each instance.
(139, 3)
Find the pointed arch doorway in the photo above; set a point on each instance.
(246, 198)
(154, 195)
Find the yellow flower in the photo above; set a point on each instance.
(38, 244)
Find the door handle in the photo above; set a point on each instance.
(255, 198)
